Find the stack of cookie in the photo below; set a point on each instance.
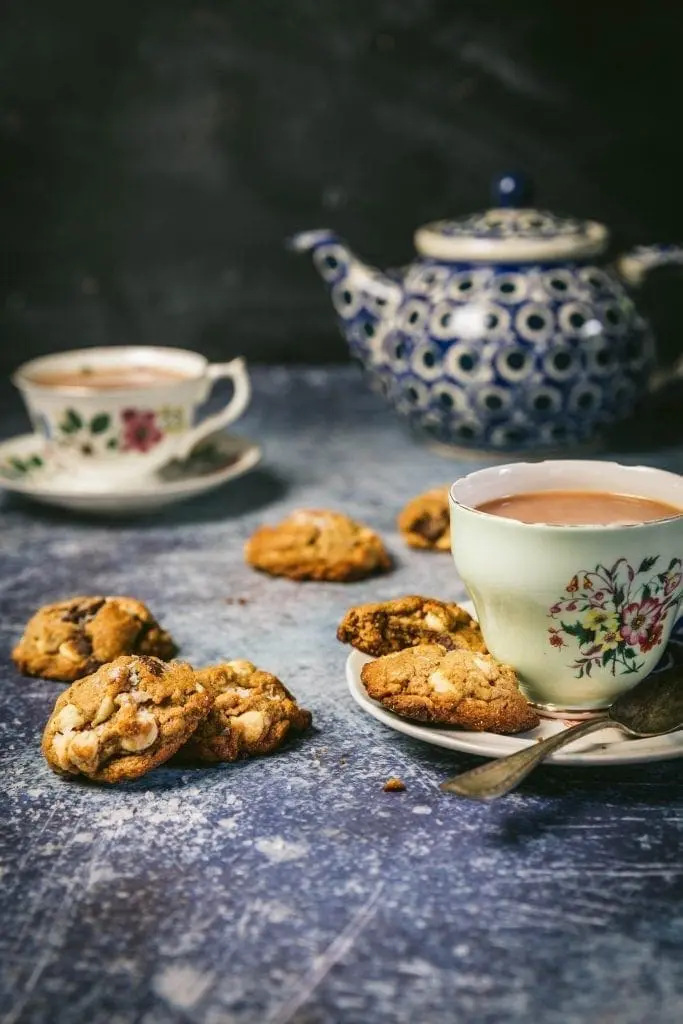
(129, 709)
(432, 666)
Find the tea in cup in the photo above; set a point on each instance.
(114, 414)
(575, 571)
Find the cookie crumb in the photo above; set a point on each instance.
(241, 601)
(394, 785)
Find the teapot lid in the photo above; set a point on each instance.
(511, 232)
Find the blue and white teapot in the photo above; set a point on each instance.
(505, 333)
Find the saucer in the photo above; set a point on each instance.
(605, 746)
(25, 470)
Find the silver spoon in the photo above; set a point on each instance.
(652, 708)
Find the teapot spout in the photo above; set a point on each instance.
(634, 265)
(335, 262)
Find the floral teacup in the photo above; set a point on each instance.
(583, 613)
(126, 411)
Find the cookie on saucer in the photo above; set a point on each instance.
(425, 521)
(71, 639)
(458, 688)
(252, 714)
(388, 626)
(316, 544)
(125, 719)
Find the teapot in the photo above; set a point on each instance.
(507, 333)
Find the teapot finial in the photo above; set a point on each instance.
(512, 189)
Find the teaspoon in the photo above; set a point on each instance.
(652, 708)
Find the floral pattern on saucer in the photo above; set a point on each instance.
(15, 468)
(615, 614)
(27, 469)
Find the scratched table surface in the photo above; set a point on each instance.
(292, 888)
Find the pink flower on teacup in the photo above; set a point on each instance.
(654, 638)
(140, 430)
(639, 620)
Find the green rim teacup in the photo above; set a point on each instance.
(582, 613)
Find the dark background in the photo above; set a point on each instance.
(154, 154)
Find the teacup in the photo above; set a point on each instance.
(115, 414)
(582, 613)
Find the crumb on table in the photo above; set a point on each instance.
(394, 785)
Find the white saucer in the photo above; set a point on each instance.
(221, 457)
(607, 746)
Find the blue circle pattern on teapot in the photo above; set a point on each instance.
(498, 356)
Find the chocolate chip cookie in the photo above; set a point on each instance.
(459, 688)
(407, 621)
(425, 521)
(318, 545)
(71, 639)
(125, 719)
(252, 713)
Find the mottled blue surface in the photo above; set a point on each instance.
(293, 890)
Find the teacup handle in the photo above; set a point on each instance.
(236, 371)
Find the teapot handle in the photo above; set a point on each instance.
(660, 379)
(634, 266)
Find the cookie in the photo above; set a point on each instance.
(252, 713)
(379, 629)
(318, 545)
(71, 639)
(461, 688)
(425, 521)
(125, 719)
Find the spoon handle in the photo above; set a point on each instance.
(496, 778)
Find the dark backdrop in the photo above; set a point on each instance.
(154, 154)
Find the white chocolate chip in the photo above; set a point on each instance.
(199, 688)
(441, 683)
(250, 723)
(241, 667)
(70, 651)
(83, 751)
(433, 621)
(305, 517)
(69, 718)
(60, 744)
(242, 691)
(485, 666)
(145, 735)
(104, 711)
(140, 696)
